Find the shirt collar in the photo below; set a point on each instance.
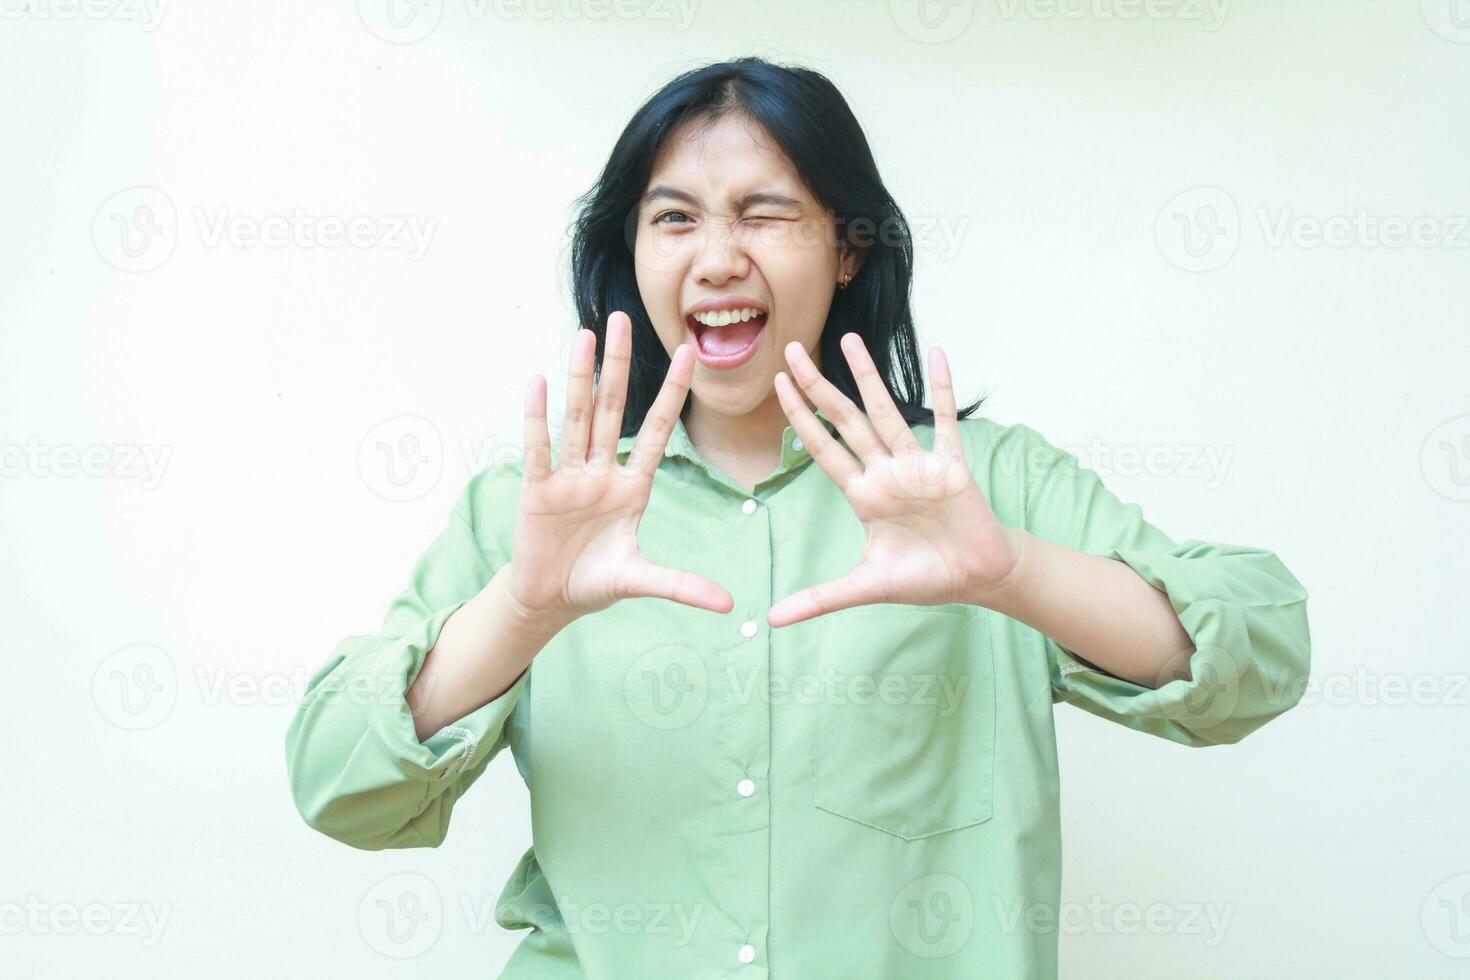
(793, 451)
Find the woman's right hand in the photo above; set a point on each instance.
(575, 549)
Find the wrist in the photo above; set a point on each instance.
(1005, 593)
(527, 622)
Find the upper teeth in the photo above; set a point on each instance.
(721, 318)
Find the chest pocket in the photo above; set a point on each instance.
(905, 733)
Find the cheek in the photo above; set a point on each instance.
(661, 257)
(799, 287)
(659, 280)
(667, 325)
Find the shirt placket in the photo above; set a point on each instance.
(744, 756)
(745, 762)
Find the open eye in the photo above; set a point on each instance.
(667, 214)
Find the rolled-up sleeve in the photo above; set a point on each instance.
(358, 772)
(1244, 611)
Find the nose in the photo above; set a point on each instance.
(721, 256)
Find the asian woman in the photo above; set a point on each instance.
(775, 647)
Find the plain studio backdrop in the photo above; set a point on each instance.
(274, 278)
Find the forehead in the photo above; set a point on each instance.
(732, 154)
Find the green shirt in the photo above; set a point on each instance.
(869, 794)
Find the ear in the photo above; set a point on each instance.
(852, 258)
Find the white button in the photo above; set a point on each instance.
(748, 628)
(747, 953)
(745, 787)
(796, 443)
(748, 506)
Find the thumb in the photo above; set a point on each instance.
(663, 582)
(853, 589)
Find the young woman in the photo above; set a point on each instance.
(775, 647)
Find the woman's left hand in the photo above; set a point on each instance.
(932, 536)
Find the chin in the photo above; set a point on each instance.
(733, 403)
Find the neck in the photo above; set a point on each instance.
(746, 447)
(754, 436)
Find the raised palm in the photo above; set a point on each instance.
(576, 535)
(932, 536)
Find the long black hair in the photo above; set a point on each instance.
(810, 120)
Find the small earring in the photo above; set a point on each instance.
(846, 278)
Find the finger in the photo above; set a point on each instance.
(946, 423)
(612, 388)
(885, 416)
(854, 589)
(653, 434)
(663, 582)
(579, 400)
(834, 460)
(851, 421)
(535, 437)
(658, 422)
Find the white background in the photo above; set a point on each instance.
(238, 518)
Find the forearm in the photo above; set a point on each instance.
(1097, 607)
(480, 653)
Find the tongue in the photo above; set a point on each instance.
(731, 339)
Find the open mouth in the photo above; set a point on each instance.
(727, 341)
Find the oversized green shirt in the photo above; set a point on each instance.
(869, 794)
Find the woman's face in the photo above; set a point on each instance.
(727, 222)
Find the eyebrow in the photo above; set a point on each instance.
(741, 203)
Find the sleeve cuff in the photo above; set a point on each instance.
(1246, 616)
(458, 747)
